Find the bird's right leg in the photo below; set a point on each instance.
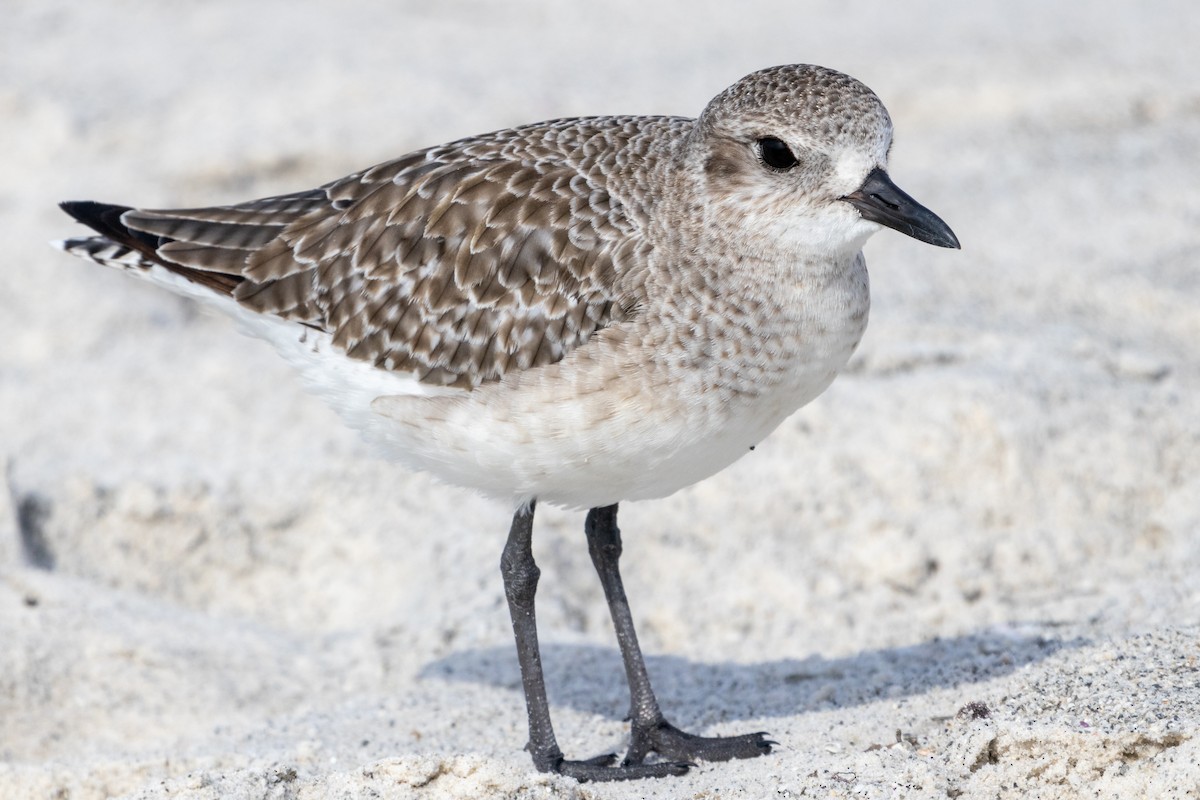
(649, 730)
(520, 585)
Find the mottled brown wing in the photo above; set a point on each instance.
(460, 263)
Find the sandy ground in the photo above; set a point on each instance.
(210, 589)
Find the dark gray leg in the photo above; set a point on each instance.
(520, 585)
(650, 731)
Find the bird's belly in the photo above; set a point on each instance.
(582, 435)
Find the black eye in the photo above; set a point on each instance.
(776, 154)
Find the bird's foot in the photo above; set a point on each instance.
(603, 768)
(671, 743)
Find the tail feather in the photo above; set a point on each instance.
(118, 243)
(105, 219)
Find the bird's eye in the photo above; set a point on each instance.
(776, 154)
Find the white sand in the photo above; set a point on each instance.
(209, 589)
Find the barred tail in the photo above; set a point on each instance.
(120, 246)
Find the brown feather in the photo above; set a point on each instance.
(461, 263)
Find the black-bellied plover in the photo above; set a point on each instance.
(578, 312)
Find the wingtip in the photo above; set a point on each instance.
(76, 208)
(89, 211)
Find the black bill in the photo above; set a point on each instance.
(882, 201)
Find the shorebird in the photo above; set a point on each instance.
(578, 312)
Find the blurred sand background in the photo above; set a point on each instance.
(210, 589)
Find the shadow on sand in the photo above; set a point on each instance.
(590, 678)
